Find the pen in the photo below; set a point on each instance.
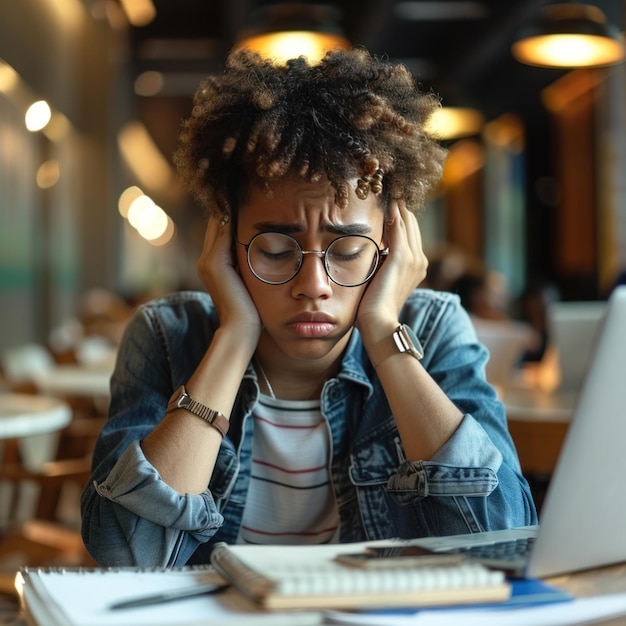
(170, 596)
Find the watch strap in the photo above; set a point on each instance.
(399, 343)
(182, 400)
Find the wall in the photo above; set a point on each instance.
(57, 242)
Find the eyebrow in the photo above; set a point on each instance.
(336, 229)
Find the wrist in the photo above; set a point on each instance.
(401, 342)
(373, 330)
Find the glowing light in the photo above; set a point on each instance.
(569, 51)
(454, 122)
(281, 46)
(38, 115)
(8, 78)
(127, 197)
(48, 174)
(140, 212)
(154, 227)
(58, 127)
(144, 158)
(139, 12)
(166, 236)
(149, 83)
(150, 220)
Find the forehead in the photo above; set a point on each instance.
(294, 200)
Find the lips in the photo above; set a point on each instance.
(312, 325)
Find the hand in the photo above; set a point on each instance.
(218, 271)
(403, 269)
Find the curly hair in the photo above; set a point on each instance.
(351, 115)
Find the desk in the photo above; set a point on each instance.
(605, 580)
(23, 415)
(35, 422)
(75, 380)
(538, 421)
(595, 582)
(29, 428)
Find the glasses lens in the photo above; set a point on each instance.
(274, 258)
(352, 260)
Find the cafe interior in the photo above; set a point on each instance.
(531, 209)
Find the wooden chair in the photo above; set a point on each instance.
(44, 539)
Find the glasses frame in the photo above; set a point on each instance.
(320, 253)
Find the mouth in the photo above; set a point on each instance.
(312, 325)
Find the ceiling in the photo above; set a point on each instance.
(459, 49)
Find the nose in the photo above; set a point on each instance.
(312, 281)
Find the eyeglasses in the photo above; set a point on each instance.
(349, 261)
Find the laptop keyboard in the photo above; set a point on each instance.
(511, 550)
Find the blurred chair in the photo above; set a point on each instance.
(573, 330)
(506, 341)
(21, 365)
(45, 537)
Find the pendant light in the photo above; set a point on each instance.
(570, 35)
(451, 123)
(289, 30)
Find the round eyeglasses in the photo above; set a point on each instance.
(349, 261)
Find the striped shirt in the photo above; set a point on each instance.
(290, 500)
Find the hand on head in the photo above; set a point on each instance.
(218, 271)
(403, 269)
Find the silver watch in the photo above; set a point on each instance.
(407, 341)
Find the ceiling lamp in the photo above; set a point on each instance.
(139, 12)
(286, 31)
(570, 35)
(450, 123)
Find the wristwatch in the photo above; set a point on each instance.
(404, 342)
(407, 341)
(182, 400)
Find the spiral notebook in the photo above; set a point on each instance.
(310, 577)
(87, 597)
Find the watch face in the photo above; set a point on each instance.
(413, 345)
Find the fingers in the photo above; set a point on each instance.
(216, 226)
(216, 250)
(405, 239)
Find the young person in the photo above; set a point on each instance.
(314, 393)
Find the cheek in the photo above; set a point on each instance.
(264, 296)
(345, 303)
(353, 297)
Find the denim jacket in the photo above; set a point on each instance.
(130, 516)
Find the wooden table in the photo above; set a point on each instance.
(538, 422)
(75, 380)
(32, 424)
(596, 582)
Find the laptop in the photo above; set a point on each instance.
(583, 518)
(573, 328)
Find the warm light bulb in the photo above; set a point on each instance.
(8, 78)
(454, 122)
(48, 174)
(167, 235)
(140, 212)
(38, 116)
(156, 226)
(139, 12)
(127, 197)
(281, 46)
(568, 50)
